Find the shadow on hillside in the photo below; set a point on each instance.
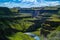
(5, 11)
(34, 27)
(6, 30)
(46, 29)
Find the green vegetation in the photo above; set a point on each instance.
(11, 26)
(54, 35)
(14, 28)
(20, 36)
(55, 18)
(5, 11)
(58, 28)
(14, 10)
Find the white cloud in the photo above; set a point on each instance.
(53, 3)
(29, 0)
(13, 4)
(45, 3)
(33, 3)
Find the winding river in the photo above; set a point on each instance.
(33, 35)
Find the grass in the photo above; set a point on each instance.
(20, 36)
(19, 24)
(55, 18)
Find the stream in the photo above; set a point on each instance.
(33, 35)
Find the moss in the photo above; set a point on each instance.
(55, 18)
(58, 28)
(54, 35)
(20, 36)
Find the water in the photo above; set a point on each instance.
(36, 38)
(33, 35)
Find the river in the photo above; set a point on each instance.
(33, 35)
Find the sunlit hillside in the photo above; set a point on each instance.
(43, 22)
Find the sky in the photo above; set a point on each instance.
(28, 3)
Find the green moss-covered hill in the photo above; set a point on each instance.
(13, 28)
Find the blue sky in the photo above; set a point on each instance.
(28, 3)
